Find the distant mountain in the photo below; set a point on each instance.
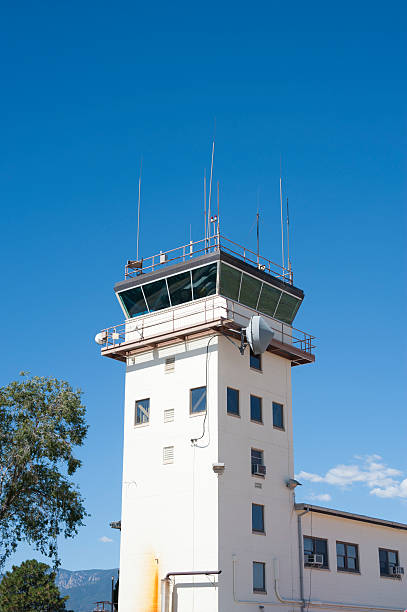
(85, 587)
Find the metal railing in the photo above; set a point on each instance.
(213, 244)
(198, 313)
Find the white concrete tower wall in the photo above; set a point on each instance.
(169, 510)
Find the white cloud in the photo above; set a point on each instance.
(105, 540)
(323, 497)
(370, 471)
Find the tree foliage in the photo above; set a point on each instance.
(41, 421)
(30, 587)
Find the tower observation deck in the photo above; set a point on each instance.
(200, 288)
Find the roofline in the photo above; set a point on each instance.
(202, 260)
(353, 517)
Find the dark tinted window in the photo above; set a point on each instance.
(258, 518)
(180, 288)
(156, 295)
(259, 577)
(256, 458)
(204, 281)
(255, 409)
(347, 557)
(315, 546)
(142, 413)
(229, 282)
(255, 361)
(133, 301)
(278, 419)
(388, 560)
(198, 400)
(287, 308)
(250, 290)
(268, 300)
(232, 401)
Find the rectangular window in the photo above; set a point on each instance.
(198, 400)
(233, 401)
(347, 557)
(256, 460)
(314, 547)
(256, 409)
(278, 416)
(255, 361)
(257, 518)
(142, 412)
(259, 577)
(388, 559)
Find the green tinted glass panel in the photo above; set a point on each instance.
(287, 308)
(229, 281)
(156, 295)
(249, 292)
(133, 301)
(204, 281)
(180, 288)
(268, 300)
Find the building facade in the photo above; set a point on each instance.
(209, 520)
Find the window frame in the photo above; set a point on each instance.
(259, 422)
(192, 412)
(355, 570)
(252, 358)
(258, 450)
(282, 427)
(259, 531)
(314, 539)
(235, 414)
(397, 564)
(264, 589)
(136, 402)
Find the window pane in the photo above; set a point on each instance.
(268, 300)
(340, 548)
(287, 308)
(255, 409)
(180, 288)
(249, 292)
(142, 411)
(341, 562)
(321, 548)
(308, 546)
(257, 517)
(133, 301)
(156, 295)
(204, 281)
(384, 566)
(278, 415)
(255, 361)
(392, 557)
(256, 458)
(232, 401)
(258, 577)
(351, 563)
(229, 281)
(198, 399)
(351, 551)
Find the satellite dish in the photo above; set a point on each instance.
(101, 338)
(258, 334)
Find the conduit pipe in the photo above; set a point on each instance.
(165, 585)
(302, 602)
(301, 554)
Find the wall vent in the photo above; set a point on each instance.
(170, 364)
(258, 485)
(169, 415)
(168, 454)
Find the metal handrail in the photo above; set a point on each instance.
(116, 334)
(212, 244)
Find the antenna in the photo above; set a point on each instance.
(282, 224)
(138, 209)
(218, 213)
(205, 203)
(288, 241)
(210, 183)
(258, 237)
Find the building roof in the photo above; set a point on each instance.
(353, 517)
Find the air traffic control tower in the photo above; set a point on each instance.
(208, 448)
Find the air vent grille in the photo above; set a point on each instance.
(169, 364)
(169, 415)
(168, 454)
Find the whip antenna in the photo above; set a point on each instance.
(138, 209)
(282, 223)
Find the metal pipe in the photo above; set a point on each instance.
(195, 573)
(300, 554)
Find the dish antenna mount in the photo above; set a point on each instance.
(257, 335)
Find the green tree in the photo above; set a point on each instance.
(41, 421)
(30, 587)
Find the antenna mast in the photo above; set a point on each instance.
(218, 217)
(205, 203)
(288, 242)
(210, 188)
(258, 237)
(282, 223)
(138, 209)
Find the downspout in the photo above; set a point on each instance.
(301, 555)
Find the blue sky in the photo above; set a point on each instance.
(89, 88)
